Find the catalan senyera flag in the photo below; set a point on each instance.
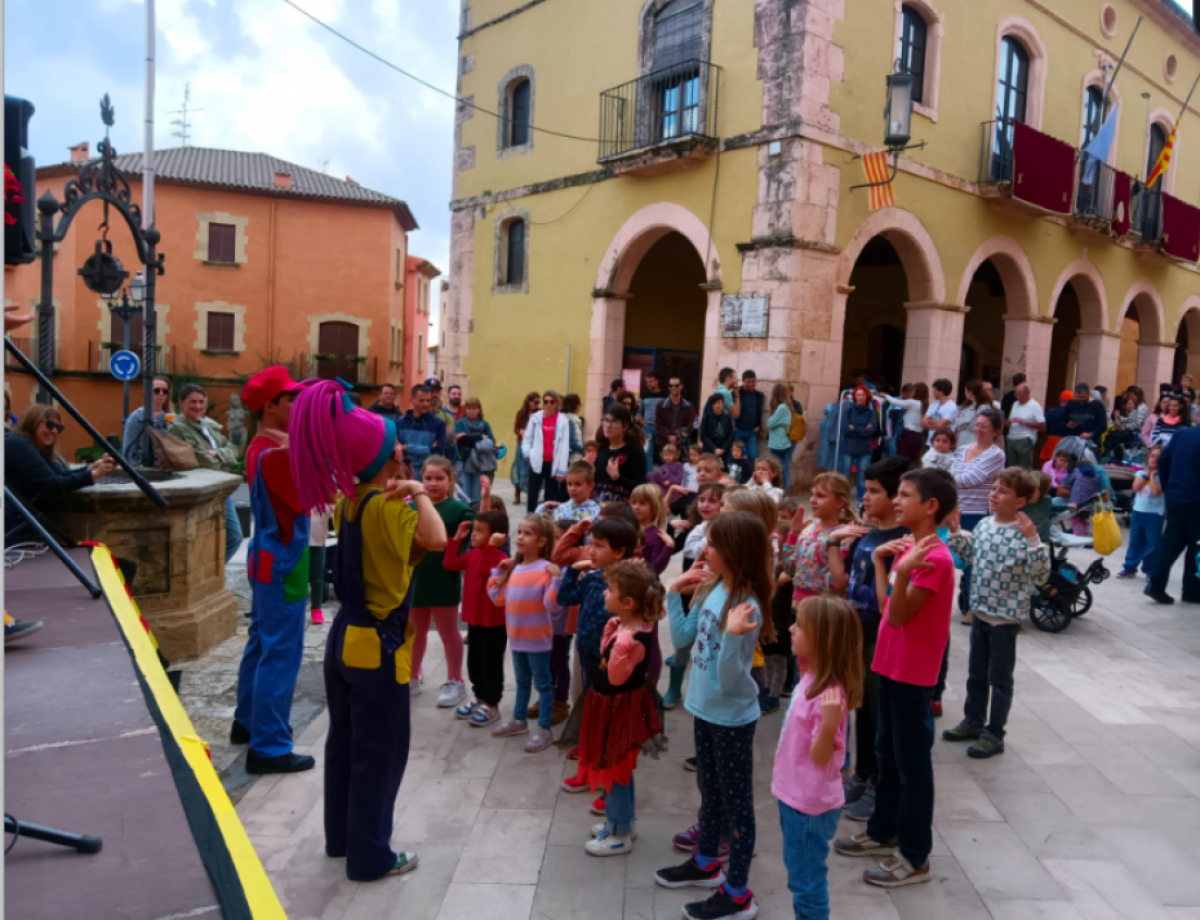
(875, 165)
(1164, 158)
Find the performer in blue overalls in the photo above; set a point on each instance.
(383, 526)
(277, 566)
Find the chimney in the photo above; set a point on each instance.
(283, 180)
(351, 181)
(80, 152)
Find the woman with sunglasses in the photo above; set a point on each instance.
(520, 465)
(621, 462)
(547, 446)
(34, 470)
(161, 419)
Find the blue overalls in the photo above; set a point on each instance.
(368, 663)
(278, 574)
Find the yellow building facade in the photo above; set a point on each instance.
(653, 159)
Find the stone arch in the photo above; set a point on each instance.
(1153, 321)
(1093, 301)
(914, 245)
(1016, 271)
(1022, 29)
(641, 231)
(612, 292)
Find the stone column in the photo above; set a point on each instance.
(607, 345)
(1099, 354)
(933, 341)
(1156, 364)
(1027, 351)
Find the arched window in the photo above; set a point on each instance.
(1012, 99)
(518, 109)
(514, 253)
(1158, 140)
(678, 33)
(913, 39)
(1093, 116)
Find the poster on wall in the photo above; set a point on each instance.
(744, 316)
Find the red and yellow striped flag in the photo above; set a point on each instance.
(1164, 158)
(875, 165)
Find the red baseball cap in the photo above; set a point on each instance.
(268, 385)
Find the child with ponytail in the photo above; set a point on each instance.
(383, 524)
(619, 714)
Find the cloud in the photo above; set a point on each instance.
(266, 78)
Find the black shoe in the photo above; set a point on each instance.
(689, 764)
(721, 906)
(20, 629)
(690, 875)
(258, 765)
(239, 734)
(1159, 597)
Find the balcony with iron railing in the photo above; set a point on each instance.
(1148, 214)
(662, 122)
(354, 369)
(1024, 172)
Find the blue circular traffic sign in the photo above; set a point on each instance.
(124, 365)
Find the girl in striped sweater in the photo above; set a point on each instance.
(526, 586)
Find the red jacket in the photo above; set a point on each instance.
(477, 607)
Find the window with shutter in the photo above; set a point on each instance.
(136, 336)
(515, 263)
(220, 331)
(913, 32)
(221, 242)
(519, 113)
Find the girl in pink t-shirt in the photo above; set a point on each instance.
(807, 780)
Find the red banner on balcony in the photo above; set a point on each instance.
(1122, 218)
(1181, 229)
(1043, 169)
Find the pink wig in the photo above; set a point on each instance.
(332, 441)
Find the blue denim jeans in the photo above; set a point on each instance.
(533, 668)
(620, 810)
(785, 458)
(471, 485)
(233, 530)
(846, 461)
(806, 840)
(1145, 532)
(649, 448)
(750, 439)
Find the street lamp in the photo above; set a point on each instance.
(897, 121)
(127, 307)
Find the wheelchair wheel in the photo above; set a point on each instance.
(1050, 614)
(1083, 604)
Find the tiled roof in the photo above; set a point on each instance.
(256, 172)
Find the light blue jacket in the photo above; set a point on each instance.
(778, 427)
(721, 690)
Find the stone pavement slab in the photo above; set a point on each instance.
(1091, 814)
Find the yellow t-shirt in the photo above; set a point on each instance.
(389, 553)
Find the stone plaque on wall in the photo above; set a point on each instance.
(744, 316)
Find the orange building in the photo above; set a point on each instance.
(266, 262)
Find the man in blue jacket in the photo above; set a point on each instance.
(1177, 470)
(1086, 417)
(421, 432)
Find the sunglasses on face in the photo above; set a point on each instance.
(53, 426)
(161, 391)
(549, 402)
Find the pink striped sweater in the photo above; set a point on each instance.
(529, 599)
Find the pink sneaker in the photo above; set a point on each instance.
(317, 616)
(598, 806)
(687, 842)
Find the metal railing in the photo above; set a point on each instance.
(99, 354)
(361, 371)
(996, 151)
(664, 106)
(1148, 214)
(1093, 189)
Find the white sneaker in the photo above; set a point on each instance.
(451, 694)
(415, 687)
(539, 740)
(609, 845)
(598, 829)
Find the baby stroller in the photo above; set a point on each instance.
(1066, 593)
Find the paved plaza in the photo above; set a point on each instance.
(1092, 814)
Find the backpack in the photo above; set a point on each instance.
(798, 429)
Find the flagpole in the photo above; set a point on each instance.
(1183, 111)
(1117, 69)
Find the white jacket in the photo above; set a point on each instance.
(531, 444)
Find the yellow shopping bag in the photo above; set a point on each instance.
(1106, 532)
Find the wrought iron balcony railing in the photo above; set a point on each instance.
(996, 151)
(1093, 189)
(1148, 214)
(667, 105)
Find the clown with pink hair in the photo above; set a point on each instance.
(384, 523)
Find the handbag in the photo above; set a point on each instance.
(173, 454)
(1106, 532)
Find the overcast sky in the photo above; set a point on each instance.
(268, 79)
